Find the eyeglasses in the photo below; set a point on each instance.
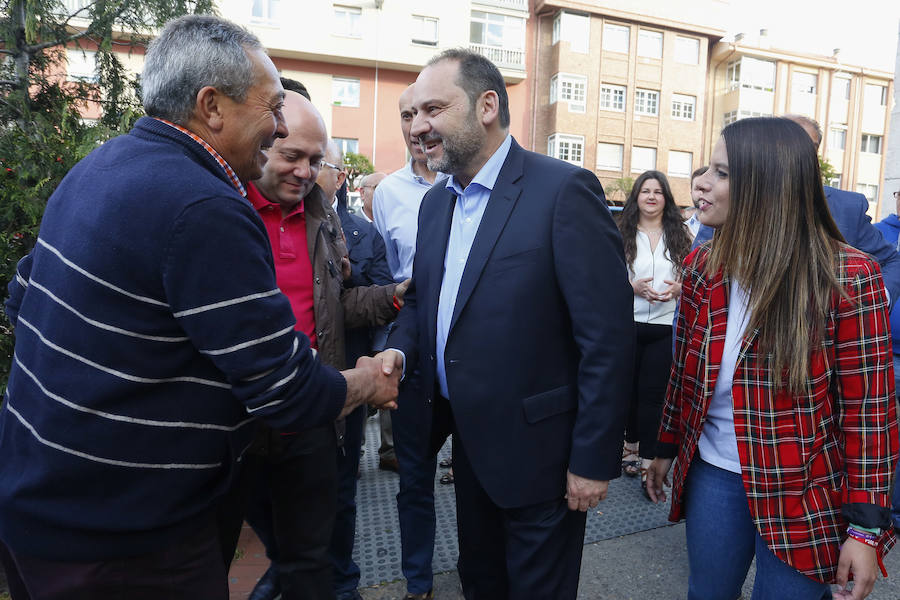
(325, 163)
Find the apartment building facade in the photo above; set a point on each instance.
(620, 93)
(892, 156)
(852, 104)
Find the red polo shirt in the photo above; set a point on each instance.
(293, 269)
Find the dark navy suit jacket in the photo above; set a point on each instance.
(849, 212)
(540, 348)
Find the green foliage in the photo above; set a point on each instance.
(356, 165)
(619, 187)
(42, 133)
(827, 169)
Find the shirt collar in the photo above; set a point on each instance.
(418, 178)
(487, 175)
(259, 201)
(212, 151)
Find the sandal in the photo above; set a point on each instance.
(630, 462)
(447, 478)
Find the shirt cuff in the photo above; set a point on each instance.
(402, 354)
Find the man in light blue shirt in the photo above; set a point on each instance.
(396, 211)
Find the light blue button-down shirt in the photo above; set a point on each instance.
(470, 205)
(396, 211)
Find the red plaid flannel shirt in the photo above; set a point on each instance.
(805, 456)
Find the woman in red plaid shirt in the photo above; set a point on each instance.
(780, 407)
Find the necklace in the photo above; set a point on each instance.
(650, 231)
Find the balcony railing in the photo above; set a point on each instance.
(514, 4)
(73, 5)
(502, 57)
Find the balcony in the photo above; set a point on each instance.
(504, 58)
(513, 4)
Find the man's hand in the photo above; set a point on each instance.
(583, 493)
(346, 267)
(391, 361)
(368, 383)
(400, 291)
(862, 561)
(657, 476)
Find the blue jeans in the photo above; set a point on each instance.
(722, 541)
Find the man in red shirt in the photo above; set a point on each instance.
(294, 502)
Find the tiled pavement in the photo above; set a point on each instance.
(377, 547)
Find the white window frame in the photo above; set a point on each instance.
(557, 28)
(864, 188)
(837, 133)
(739, 73)
(613, 97)
(682, 50)
(560, 145)
(650, 43)
(420, 31)
(846, 83)
(571, 89)
(603, 150)
(341, 85)
(78, 65)
(730, 117)
(640, 169)
(684, 107)
(269, 11)
(802, 87)
(347, 21)
(509, 26)
(867, 140)
(347, 145)
(609, 31)
(646, 102)
(680, 154)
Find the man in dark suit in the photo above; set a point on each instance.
(519, 324)
(849, 212)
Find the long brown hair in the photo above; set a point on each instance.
(778, 240)
(675, 232)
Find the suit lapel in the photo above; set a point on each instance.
(500, 205)
(439, 231)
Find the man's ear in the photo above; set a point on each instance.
(341, 177)
(489, 104)
(209, 108)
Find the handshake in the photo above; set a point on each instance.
(373, 381)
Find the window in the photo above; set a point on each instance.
(265, 10)
(805, 83)
(751, 73)
(649, 43)
(875, 95)
(840, 89)
(347, 21)
(612, 97)
(609, 156)
(730, 117)
(615, 38)
(642, 159)
(680, 163)
(646, 102)
(572, 28)
(869, 191)
(82, 65)
(345, 91)
(838, 139)
(870, 144)
(501, 31)
(347, 145)
(424, 30)
(569, 88)
(683, 107)
(835, 181)
(687, 50)
(569, 148)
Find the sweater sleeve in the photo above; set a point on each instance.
(17, 287)
(219, 281)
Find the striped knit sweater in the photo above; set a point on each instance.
(149, 334)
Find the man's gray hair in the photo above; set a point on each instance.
(193, 52)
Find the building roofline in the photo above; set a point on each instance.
(544, 7)
(805, 59)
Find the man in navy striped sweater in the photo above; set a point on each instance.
(150, 334)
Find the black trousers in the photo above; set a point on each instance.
(525, 553)
(292, 508)
(187, 570)
(652, 363)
